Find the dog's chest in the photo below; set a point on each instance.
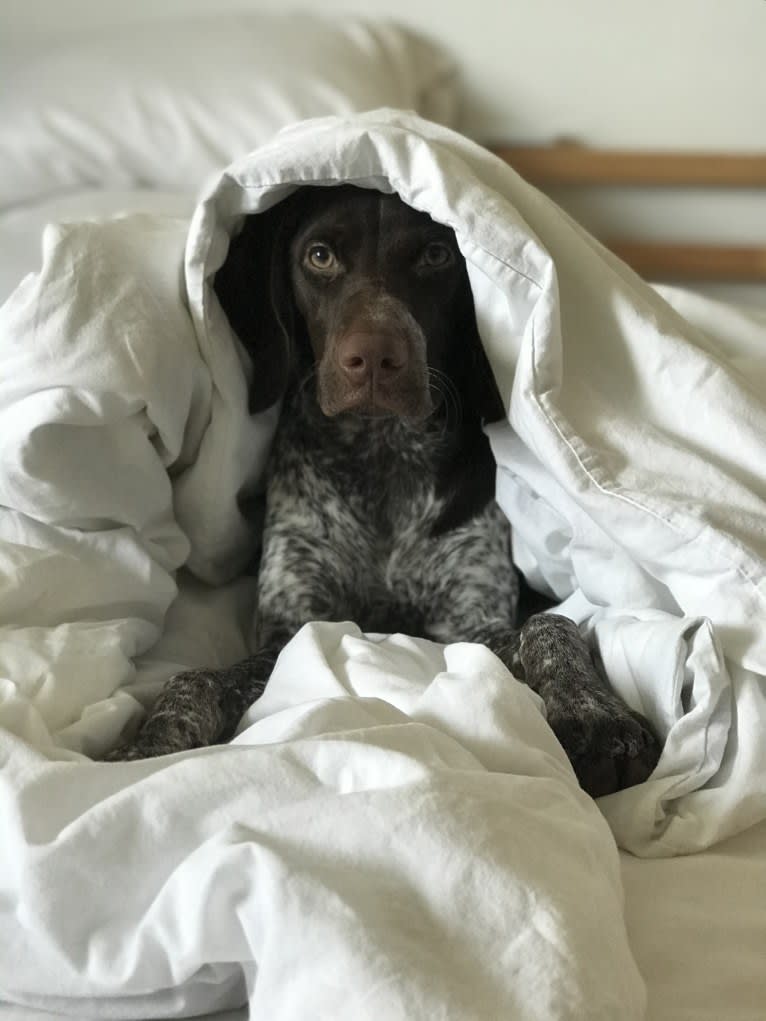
(357, 497)
(365, 510)
(371, 487)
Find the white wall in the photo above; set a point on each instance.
(678, 74)
(665, 73)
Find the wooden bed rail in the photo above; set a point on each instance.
(576, 164)
(572, 164)
(661, 261)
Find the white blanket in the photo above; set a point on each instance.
(395, 833)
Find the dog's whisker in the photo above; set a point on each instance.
(443, 385)
(441, 412)
(307, 378)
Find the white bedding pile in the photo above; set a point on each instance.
(395, 832)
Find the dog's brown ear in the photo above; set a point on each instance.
(254, 291)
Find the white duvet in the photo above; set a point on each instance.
(395, 832)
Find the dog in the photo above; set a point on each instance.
(380, 488)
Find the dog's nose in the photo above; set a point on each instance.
(376, 357)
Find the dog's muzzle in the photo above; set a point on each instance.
(375, 365)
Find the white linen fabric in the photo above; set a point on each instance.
(696, 928)
(343, 858)
(393, 813)
(166, 103)
(22, 226)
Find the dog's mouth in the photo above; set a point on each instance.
(376, 402)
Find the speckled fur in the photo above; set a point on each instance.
(366, 520)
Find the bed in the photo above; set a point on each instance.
(413, 844)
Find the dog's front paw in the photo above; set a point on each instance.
(189, 713)
(609, 745)
(126, 752)
(151, 741)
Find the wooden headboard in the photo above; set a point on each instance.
(574, 165)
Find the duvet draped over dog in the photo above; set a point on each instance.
(395, 832)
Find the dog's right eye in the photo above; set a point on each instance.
(321, 257)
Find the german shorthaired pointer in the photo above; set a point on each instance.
(380, 491)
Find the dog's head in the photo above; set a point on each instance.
(371, 294)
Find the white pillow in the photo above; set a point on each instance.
(164, 104)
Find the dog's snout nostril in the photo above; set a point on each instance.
(366, 356)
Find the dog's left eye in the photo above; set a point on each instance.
(321, 257)
(436, 255)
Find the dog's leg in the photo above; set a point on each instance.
(199, 707)
(298, 581)
(609, 745)
(203, 707)
(471, 591)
